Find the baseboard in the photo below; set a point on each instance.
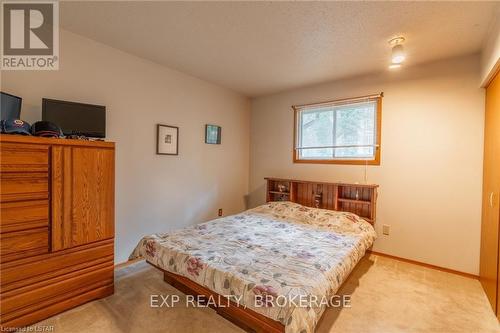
(439, 268)
(127, 263)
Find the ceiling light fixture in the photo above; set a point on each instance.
(398, 53)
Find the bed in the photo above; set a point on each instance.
(263, 260)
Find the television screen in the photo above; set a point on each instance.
(10, 106)
(76, 118)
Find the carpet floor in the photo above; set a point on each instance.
(386, 296)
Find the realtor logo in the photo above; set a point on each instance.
(30, 39)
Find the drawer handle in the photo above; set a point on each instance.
(491, 198)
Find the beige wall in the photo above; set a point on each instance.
(432, 147)
(490, 55)
(153, 193)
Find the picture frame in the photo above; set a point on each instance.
(213, 134)
(167, 140)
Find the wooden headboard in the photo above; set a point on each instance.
(360, 199)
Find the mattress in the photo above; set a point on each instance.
(282, 260)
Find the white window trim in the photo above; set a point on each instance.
(372, 160)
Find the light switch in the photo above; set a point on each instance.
(386, 229)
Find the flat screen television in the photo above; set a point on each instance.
(76, 118)
(10, 106)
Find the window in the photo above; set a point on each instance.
(344, 131)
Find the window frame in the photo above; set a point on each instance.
(358, 161)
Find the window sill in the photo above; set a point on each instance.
(348, 162)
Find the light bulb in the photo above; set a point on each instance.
(398, 54)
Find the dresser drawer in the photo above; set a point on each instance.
(21, 244)
(24, 186)
(21, 215)
(55, 290)
(24, 157)
(29, 271)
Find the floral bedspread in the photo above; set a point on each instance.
(280, 251)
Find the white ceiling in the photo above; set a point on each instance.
(258, 48)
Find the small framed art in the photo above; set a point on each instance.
(213, 134)
(167, 140)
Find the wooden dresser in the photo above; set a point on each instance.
(56, 226)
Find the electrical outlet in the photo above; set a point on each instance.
(220, 211)
(386, 229)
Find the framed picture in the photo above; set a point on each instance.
(167, 140)
(213, 134)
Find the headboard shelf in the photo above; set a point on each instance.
(361, 202)
(359, 199)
